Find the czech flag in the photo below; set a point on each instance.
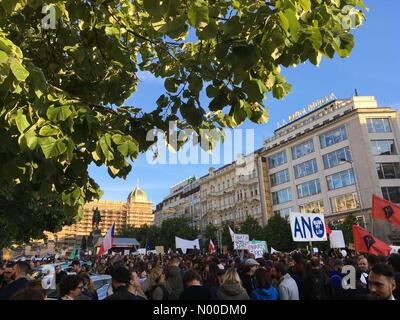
(107, 241)
(386, 210)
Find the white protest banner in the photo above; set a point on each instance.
(257, 249)
(315, 250)
(126, 252)
(141, 251)
(307, 227)
(336, 239)
(274, 251)
(186, 244)
(241, 241)
(159, 249)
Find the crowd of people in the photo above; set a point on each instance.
(280, 276)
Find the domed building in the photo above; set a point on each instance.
(136, 211)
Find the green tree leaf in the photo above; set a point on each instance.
(18, 70)
(52, 147)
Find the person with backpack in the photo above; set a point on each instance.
(161, 290)
(316, 285)
(287, 287)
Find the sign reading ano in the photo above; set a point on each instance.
(307, 227)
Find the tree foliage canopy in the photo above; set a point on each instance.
(63, 91)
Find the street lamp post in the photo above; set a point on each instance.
(357, 188)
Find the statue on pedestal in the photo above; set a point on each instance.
(96, 219)
(96, 233)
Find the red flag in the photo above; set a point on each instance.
(328, 230)
(385, 210)
(211, 247)
(365, 242)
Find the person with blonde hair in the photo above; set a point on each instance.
(231, 288)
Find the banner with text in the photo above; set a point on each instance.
(307, 227)
(241, 241)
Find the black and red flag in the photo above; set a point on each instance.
(366, 243)
(385, 210)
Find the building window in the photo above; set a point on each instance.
(302, 149)
(383, 147)
(345, 202)
(378, 125)
(309, 188)
(313, 207)
(392, 194)
(277, 159)
(279, 177)
(340, 179)
(334, 158)
(332, 137)
(305, 168)
(282, 196)
(388, 170)
(284, 213)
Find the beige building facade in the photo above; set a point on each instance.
(183, 200)
(332, 160)
(231, 193)
(136, 211)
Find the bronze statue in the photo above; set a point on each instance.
(96, 218)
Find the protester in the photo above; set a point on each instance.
(381, 282)
(364, 268)
(175, 280)
(135, 287)
(264, 289)
(287, 287)
(88, 292)
(232, 289)
(19, 273)
(194, 290)
(7, 274)
(316, 285)
(161, 290)
(335, 275)
(76, 267)
(33, 291)
(71, 287)
(60, 274)
(247, 277)
(394, 261)
(120, 280)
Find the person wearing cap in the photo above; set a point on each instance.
(120, 281)
(250, 267)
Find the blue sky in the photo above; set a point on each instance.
(373, 68)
